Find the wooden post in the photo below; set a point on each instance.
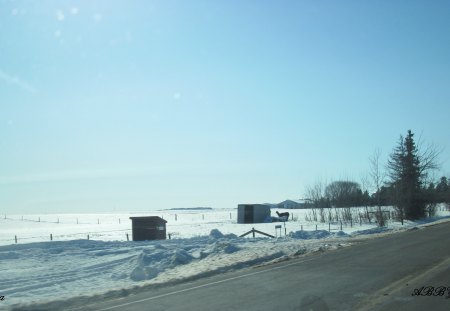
(88, 237)
(128, 238)
(170, 236)
(176, 217)
(119, 221)
(98, 221)
(77, 221)
(51, 237)
(329, 227)
(203, 217)
(58, 220)
(230, 216)
(39, 219)
(341, 225)
(351, 222)
(301, 227)
(316, 227)
(15, 238)
(256, 231)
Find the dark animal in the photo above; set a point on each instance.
(286, 214)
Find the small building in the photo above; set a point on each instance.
(148, 228)
(253, 213)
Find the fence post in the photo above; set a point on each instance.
(176, 217)
(329, 227)
(316, 227)
(128, 238)
(301, 227)
(253, 232)
(88, 237)
(203, 217)
(170, 236)
(351, 222)
(230, 216)
(341, 225)
(15, 238)
(39, 219)
(51, 237)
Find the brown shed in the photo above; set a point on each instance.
(148, 228)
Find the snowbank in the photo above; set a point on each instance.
(319, 234)
(372, 231)
(40, 272)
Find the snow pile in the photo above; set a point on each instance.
(372, 231)
(319, 234)
(216, 234)
(40, 272)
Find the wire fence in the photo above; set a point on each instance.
(125, 234)
(177, 217)
(113, 227)
(119, 235)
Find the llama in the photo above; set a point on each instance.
(283, 215)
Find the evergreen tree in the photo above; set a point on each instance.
(443, 190)
(406, 175)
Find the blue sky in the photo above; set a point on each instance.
(135, 105)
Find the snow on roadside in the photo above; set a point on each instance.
(46, 271)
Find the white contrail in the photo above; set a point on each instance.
(17, 81)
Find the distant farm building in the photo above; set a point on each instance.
(148, 228)
(295, 204)
(253, 213)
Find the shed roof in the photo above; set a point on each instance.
(154, 218)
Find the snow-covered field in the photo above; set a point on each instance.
(203, 243)
(114, 227)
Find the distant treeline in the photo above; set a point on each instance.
(403, 182)
(350, 194)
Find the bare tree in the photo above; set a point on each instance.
(316, 194)
(365, 185)
(344, 193)
(377, 176)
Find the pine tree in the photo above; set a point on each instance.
(443, 190)
(406, 175)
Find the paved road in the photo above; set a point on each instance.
(376, 274)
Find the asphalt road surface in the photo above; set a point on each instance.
(375, 274)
